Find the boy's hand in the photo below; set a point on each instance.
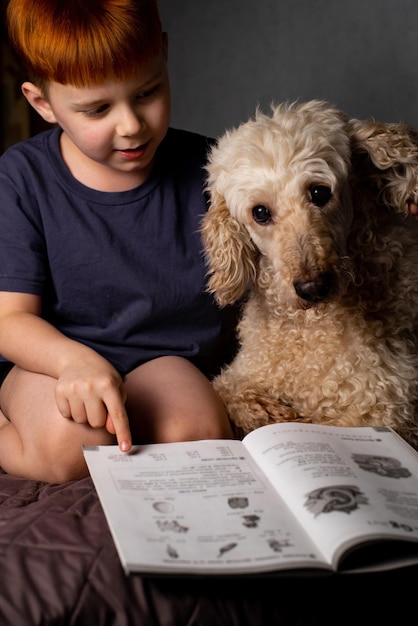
(94, 393)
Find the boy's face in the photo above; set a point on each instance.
(111, 131)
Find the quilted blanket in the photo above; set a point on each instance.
(59, 566)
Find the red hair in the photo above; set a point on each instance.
(83, 42)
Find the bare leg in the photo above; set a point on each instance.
(169, 399)
(38, 442)
(3, 419)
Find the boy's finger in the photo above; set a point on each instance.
(109, 426)
(117, 423)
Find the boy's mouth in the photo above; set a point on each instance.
(134, 153)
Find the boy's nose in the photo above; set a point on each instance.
(129, 123)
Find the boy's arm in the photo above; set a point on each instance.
(88, 390)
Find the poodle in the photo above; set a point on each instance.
(309, 231)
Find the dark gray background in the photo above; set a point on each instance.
(228, 56)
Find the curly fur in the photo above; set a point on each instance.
(308, 227)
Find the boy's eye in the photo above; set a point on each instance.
(143, 95)
(97, 111)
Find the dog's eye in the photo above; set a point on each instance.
(261, 214)
(320, 195)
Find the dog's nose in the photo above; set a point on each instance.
(316, 289)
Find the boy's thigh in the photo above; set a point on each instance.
(28, 397)
(27, 400)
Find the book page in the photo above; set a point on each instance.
(342, 483)
(198, 507)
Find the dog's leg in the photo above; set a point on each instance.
(249, 406)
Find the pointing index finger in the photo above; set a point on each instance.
(117, 423)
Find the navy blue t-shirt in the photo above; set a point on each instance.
(122, 272)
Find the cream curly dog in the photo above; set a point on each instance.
(308, 226)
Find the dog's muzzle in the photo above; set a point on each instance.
(316, 289)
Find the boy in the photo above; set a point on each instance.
(105, 326)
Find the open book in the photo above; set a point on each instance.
(288, 497)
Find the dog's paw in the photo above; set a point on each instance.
(252, 409)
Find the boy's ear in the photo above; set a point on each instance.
(37, 100)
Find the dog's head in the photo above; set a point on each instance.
(281, 203)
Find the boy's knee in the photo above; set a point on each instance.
(65, 473)
(65, 459)
(194, 429)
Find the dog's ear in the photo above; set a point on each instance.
(388, 155)
(230, 253)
